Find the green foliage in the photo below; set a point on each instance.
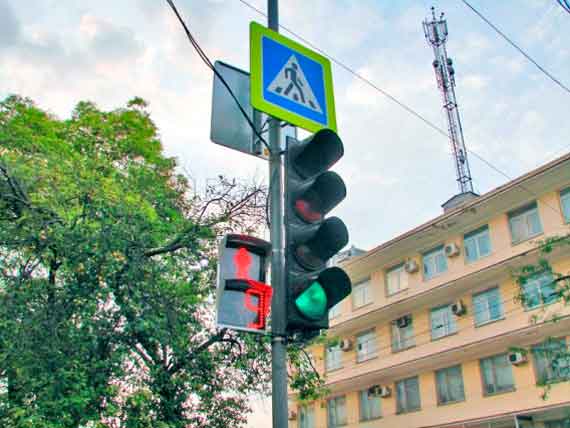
(562, 291)
(107, 263)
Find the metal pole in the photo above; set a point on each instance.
(278, 305)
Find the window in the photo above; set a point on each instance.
(361, 294)
(552, 361)
(336, 412)
(434, 262)
(442, 322)
(306, 417)
(449, 383)
(396, 280)
(565, 202)
(477, 244)
(334, 311)
(369, 406)
(525, 223)
(402, 333)
(366, 346)
(333, 359)
(497, 374)
(487, 306)
(561, 423)
(539, 290)
(408, 395)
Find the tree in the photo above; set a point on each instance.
(107, 264)
(557, 290)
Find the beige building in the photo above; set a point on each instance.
(435, 334)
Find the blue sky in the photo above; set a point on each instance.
(398, 170)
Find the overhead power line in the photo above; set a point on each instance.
(354, 73)
(514, 45)
(207, 61)
(392, 98)
(565, 5)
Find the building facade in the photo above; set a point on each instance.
(437, 331)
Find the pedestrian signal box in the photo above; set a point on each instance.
(243, 299)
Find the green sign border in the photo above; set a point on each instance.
(256, 33)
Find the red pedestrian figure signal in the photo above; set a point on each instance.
(263, 292)
(243, 299)
(242, 261)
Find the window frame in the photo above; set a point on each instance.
(565, 199)
(398, 267)
(445, 371)
(555, 379)
(434, 252)
(374, 354)
(306, 410)
(558, 423)
(488, 306)
(338, 351)
(399, 409)
(525, 211)
(536, 279)
(452, 318)
(475, 235)
(412, 340)
(368, 293)
(362, 417)
(335, 400)
(507, 364)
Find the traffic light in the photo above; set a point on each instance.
(311, 191)
(243, 299)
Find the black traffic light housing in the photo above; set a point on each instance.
(311, 192)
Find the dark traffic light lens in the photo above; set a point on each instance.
(329, 239)
(312, 303)
(308, 258)
(320, 154)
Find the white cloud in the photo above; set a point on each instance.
(110, 51)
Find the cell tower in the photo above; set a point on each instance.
(436, 35)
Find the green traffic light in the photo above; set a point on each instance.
(312, 303)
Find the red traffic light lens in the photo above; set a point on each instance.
(312, 204)
(307, 210)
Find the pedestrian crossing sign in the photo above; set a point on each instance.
(289, 81)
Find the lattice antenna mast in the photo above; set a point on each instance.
(436, 35)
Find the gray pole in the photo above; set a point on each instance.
(278, 304)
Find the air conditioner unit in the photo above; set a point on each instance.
(411, 266)
(458, 308)
(451, 250)
(517, 358)
(292, 415)
(403, 322)
(379, 391)
(346, 345)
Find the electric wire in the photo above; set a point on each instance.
(565, 5)
(427, 333)
(207, 61)
(524, 391)
(395, 100)
(352, 363)
(353, 72)
(505, 297)
(423, 406)
(514, 45)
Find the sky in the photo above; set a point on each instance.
(397, 169)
